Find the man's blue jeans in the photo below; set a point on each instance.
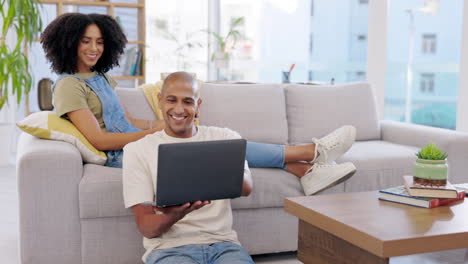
(217, 253)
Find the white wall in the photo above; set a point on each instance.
(462, 106)
(377, 51)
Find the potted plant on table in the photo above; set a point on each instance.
(20, 19)
(430, 167)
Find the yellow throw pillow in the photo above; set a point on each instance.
(48, 125)
(151, 92)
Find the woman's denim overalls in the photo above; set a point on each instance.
(113, 113)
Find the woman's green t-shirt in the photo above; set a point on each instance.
(71, 94)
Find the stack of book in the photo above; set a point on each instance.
(132, 62)
(422, 195)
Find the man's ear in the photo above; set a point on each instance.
(159, 99)
(199, 102)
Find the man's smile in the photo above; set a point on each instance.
(177, 118)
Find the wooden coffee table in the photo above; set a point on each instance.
(358, 228)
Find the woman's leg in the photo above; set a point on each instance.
(114, 158)
(314, 177)
(299, 153)
(299, 169)
(262, 155)
(275, 156)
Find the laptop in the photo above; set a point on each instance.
(204, 170)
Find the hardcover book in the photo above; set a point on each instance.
(433, 191)
(461, 186)
(400, 194)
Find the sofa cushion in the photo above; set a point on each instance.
(256, 111)
(101, 194)
(379, 164)
(271, 187)
(100, 191)
(136, 103)
(316, 110)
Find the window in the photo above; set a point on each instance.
(363, 2)
(361, 37)
(311, 7)
(311, 43)
(242, 64)
(357, 76)
(339, 49)
(311, 75)
(429, 43)
(329, 52)
(176, 38)
(423, 53)
(426, 83)
(360, 75)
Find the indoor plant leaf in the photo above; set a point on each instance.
(22, 17)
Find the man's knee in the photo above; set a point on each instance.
(232, 253)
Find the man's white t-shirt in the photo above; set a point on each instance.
(210, 224)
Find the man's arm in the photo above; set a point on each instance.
(151, 224)
(247, 184)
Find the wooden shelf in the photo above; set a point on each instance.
(136, 42)
(121, 77)
(129, 42)
(93, 3)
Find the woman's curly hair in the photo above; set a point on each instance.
(61, 37)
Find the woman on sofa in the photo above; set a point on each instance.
(83, 47)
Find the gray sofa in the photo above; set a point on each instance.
(74, 213)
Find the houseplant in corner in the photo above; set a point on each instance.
(225, 45)
(20, 20)
(430, 167)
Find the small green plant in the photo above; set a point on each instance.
(227, 43)
(431, 152)
(184, 45)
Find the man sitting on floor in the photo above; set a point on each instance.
(200, 232)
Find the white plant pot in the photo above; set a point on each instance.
(221, 60)
(6, 137)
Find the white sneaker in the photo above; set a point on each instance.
(322, 176)
(334, 144)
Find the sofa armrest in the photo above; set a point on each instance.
(415, 135)
(48, 174)
(454, 143)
